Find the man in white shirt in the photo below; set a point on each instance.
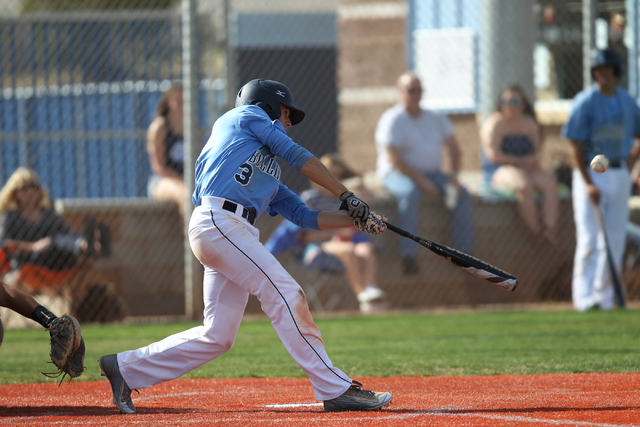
(409, 141)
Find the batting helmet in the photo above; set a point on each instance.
(606, 57)
(268, 95)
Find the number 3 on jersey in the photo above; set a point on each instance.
(244, 176)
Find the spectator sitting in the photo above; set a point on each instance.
(330, 250)
(35, 240)
(409, 140)
(165, 146)
(511, 144)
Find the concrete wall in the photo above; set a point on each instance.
(146, 267)
(501, 240)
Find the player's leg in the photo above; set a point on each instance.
(616, 187)
(180, 353)
(232, 247)
(586, 260)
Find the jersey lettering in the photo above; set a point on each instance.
(266, 162)
(244, 176)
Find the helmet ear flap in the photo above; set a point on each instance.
(274, 114)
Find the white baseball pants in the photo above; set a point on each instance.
(236, 265)
(591, 284)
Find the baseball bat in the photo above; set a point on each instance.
(613, 271)
(465, 261)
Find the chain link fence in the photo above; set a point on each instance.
(81, 82)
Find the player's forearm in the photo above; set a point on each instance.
(318, 173)
(330, 220)
(633, 154)
(22, 303)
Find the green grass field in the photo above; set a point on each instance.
(454, 343)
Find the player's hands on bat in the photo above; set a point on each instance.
(355, 207)
(375, 223)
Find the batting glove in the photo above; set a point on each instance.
(355, 207)
(375, 223)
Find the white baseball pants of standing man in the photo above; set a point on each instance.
(236, 265)
(591, 284)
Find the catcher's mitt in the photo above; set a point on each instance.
(67, 347)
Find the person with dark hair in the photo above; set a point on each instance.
(165, 146)
(237, 180)
(604, 119)
(511, 147)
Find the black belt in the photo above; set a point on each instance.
(614, 164)
(248, 214)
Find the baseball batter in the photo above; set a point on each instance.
(237, 180)
(604, 119)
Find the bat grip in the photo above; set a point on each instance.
(400, 231)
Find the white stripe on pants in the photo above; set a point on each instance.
(591, 282)
(236, 265)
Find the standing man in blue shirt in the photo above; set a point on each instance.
(604, 119)
(237, 180)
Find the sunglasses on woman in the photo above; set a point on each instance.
(31, 186)
(512, 101)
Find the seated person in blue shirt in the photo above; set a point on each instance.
(346, 249)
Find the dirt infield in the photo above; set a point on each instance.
(523, 400)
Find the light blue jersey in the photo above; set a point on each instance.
(604, 124)
(238, 163)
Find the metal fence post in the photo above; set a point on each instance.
(192, 268)
(588, 38)
(506, 49)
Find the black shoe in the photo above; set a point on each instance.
(410, 266)
(119, 388)
(358, 399)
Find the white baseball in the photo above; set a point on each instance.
(600, 163)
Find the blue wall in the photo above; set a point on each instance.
(91, 143)
(78, 91)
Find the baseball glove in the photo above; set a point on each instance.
(67, 347)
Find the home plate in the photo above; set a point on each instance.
(295, 405)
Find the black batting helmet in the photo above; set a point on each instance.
(606, 57)
(268, 95)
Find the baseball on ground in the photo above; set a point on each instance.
(600, 163)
